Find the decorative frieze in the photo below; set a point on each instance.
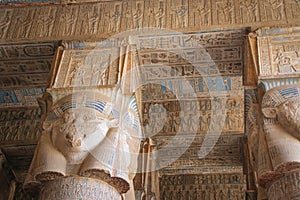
(97, 19)
(78, 188)
(208, 186)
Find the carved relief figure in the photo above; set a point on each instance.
(204, 13)
(25, 23)
(138, 16)
(46, 22)
(226, 10)
(68, 20)
(93, 21)
(115, 20)
(4, 23)
(276, 8)
(182, 17)
(251, 8)
(160, 15)
(284, 62)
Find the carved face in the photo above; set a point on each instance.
(288, 115)
(77, 133)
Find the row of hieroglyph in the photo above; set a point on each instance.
(104, 18)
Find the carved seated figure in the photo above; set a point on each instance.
(86, 141)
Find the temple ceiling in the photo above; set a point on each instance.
(30, 36)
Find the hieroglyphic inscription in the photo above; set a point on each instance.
(288, 186)
(279, 52)
(192, 92)
(209, 186)
(99, 18)
(170, 76)
(92, 67)
(25, 65)
(20, 97)
(227, 152)
(81, 188)
(19, 125)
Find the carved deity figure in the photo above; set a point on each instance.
(160, 16)
(86, 138)
(138, 16)
(115, 20)
(251, 8)
(182, 14)
(227, 9)
(25, 23)
(93, 21)
(4, 23)
(204, 13)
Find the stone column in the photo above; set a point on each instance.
(275, 144)
(70, 188)
(90, 134)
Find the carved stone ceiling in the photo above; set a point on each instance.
(24, 71)
(25, 66)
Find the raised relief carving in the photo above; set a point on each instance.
(115, 19)
(287, 62)
(181, 14)
(25, 66)
(160, 15)
(96, 67)
(93, 20)
(191, 15)
(19, 125)
(25, 19)
(274, 9)
(225, 12)
(283, 106)
(78, 188)
(250, 7)
(68, 20)
(286, 187)
(278, 51)
(46, 22)
(87, 140)
(138, 15)
(205, 13)
(202, 187)
(5, 21)
(20, 97)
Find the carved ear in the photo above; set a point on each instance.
(269, 112)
